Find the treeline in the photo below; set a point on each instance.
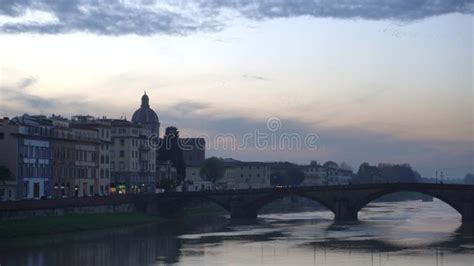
(383, 172)
(469, 179)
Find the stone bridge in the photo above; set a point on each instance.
(344, 201)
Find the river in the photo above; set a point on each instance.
(401, 233)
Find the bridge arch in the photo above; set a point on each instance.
(376, 195)
(207, 199)
(267, 199)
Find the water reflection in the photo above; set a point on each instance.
(388, 234)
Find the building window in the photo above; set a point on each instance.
(121, 165)
(122, 154)
(2, 135)
(122, 142)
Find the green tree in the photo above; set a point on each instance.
(368, 173)
(330, 164)
(469, 179)
(397, 173)
(213, 169)
(5, 174)
(386, 173)
(290, 175)
(346, 166)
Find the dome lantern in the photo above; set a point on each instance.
(145, 101)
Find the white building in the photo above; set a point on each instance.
(312, 175)
(132, 160)
(327, 174)
(244, 175)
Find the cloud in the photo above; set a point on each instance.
(188, 107)
(365, 9)
(350, 144)
(105, 17)
(148, 17)
(353, 145)
(26, 82)
(19, 94)
(17, 99)
(255, 77)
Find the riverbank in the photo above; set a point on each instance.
(46, 225)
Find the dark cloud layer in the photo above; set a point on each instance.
(188, 107)
(18, 98)
(352, 145)
(19, 94)
(148, 17)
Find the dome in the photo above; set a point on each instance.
(145, 115)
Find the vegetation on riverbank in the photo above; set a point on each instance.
(45, 225)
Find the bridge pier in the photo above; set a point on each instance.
(170, 209)
(344, 212)
(468, 212)
(243, 214)
(242, 211)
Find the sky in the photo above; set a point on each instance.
(374, 80)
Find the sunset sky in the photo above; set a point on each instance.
(376, 80)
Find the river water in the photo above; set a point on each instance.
(402, 233)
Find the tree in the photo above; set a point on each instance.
(170, 150)
(314, 163)
(167, 184)
(469, 179)
(5, 174)
(368, 173)
(397, 173)
(346, 166)
(387, 173)
(290, 175)
(213, 169)
(330, 164)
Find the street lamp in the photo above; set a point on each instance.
(76, 190)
